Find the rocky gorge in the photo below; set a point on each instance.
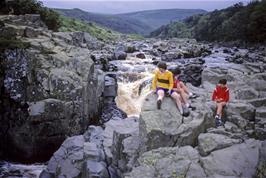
(93, 99)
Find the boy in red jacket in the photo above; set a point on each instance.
(221, 97)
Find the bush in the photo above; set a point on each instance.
(48, 16)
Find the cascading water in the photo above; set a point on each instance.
(133, 84)
(130, 98)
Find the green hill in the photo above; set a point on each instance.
(116, 23)
(104, 34)
(157, 18)
(72, 25)
(235, 23)
(142, 22)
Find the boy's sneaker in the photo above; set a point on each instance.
(193, 96)
(218, 121)
(159, 103)
(185, 111)
(193, 108)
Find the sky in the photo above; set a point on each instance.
(124, 6)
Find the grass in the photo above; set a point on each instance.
(101, 33)
(73, 25)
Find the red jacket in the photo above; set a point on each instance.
(221, 93)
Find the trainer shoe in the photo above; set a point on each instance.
(193, 96)
(193, 108)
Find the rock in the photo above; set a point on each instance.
(257, 102)
(112, 112)
(171, 56)
(131, 49)
(110, 89)
(161, 128)
(210, 142)
(237, 160)
(258, 81)
(261, 171)
(119, 53)
(31, 32)
(141, 55)
(95, 169)
(168, 162)
(247, 93)
(245, 110)
(79, 156)
(125, 145)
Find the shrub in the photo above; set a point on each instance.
(48, 16)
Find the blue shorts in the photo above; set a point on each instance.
(165, 90)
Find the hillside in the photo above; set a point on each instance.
(142, 22)
(157, 18)
(235, 23)
(116, 23)
(72, 25)
(68, 24)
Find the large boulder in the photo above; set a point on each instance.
(239, 160)
(210, 142)
(162, 128)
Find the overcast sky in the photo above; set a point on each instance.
(123, 6)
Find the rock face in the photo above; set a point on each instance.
(50, 90)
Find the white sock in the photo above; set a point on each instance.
(181, 110)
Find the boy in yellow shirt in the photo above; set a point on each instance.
(162, 84)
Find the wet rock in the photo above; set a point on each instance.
(141, 55)
(112, 112)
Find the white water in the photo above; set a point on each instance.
(128, 98)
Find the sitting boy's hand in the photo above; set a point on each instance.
(219, 100)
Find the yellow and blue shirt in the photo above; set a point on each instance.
(162, 80)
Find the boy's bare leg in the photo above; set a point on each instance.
(184, 87)
(184, 97)
(220, 108)
(160, 98)
(177, 99)
(160, 94)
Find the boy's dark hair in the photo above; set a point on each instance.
(162, 65)
(176, 71)
(222, 81)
